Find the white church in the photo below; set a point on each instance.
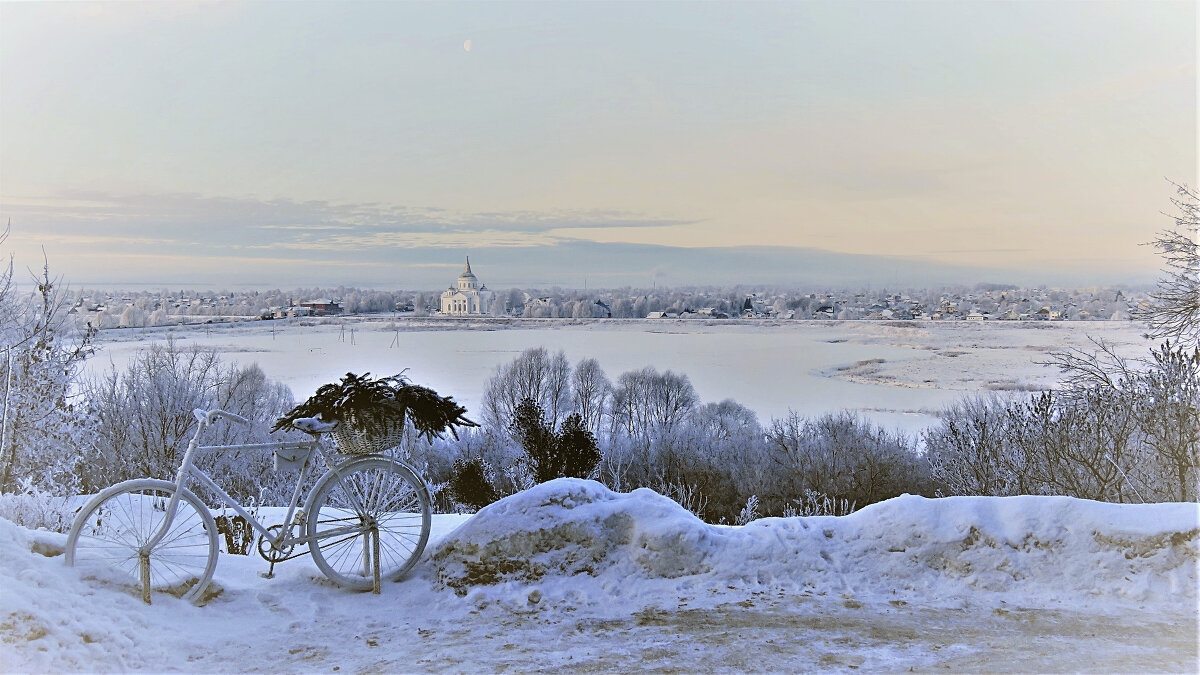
(471, 297)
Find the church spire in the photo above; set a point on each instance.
(468, 269)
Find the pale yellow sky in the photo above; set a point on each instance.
(996, 134)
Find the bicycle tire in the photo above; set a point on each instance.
(348, 500)
(110, 529)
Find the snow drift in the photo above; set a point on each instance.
(1057, 549)
(620, 579)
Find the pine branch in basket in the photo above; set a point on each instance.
(373, 404)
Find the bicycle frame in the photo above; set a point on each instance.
(187, 468)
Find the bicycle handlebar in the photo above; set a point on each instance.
(211, 416)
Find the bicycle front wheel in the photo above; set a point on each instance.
(111, 530)
(353, 502)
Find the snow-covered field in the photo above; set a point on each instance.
(897, 373)
(569, 576)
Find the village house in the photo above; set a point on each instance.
(322, 307)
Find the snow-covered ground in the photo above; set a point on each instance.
(569, 576)
(897, 373)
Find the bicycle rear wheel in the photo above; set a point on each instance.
(349, 504)
(111, 529)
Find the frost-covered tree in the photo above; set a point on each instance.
(646, 401)
(970, 450)
(132, 317)
(1077, 443)
(591, 392)
(40, 357)
(1174, 310)
(535, 374)
(141, 419)
(1170, 421)
(726, 420)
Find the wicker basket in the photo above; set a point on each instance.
(360, 439)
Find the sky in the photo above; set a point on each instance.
(377, 143)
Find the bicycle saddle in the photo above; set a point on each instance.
(313, 425)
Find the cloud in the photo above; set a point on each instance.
(456, 239)
(305, 228)
(97, 237)
(194, 260)
(984, 250)
(150, 221)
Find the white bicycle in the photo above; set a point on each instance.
(365, 520)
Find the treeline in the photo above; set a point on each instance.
(130, 309)
(1115, 431)
(161, 307)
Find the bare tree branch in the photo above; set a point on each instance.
(1174, 309)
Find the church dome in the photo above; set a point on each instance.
(467, 273)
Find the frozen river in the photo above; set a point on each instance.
(898, 374)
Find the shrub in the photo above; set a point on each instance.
(471, 483)
(814, 503)
(572, 452)
(577, 448)
(536, 438)
(34, 509)
(749, 512)
(1117, 430)
(843, 457)
(971, 452)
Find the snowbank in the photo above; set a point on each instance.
(570, 575)
(62, 622)
(1054, 549)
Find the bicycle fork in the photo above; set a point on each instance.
(371, 555)
(168, 517)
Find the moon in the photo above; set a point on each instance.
(467, 46)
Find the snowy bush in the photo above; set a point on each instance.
(749, 512)
(845, 457)
(1169, 419)
(35, 509)
(686, 496)
(814, 503)
(1116, 431)
(970, 450)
